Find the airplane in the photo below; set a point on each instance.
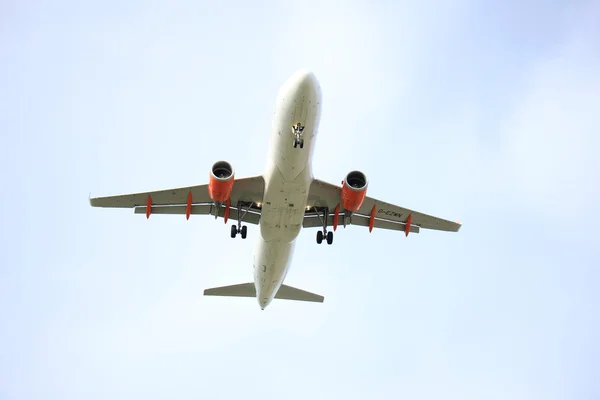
(283, 200)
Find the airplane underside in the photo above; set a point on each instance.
(283, 200)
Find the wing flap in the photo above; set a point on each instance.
(363, 220)
(251, 217)
(313, 221)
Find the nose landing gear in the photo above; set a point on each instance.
(298, 131)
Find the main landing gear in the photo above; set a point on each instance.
(298, 130)
(242, 230)
(324, 234)
(328, 236)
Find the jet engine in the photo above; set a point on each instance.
(354, 190)
(221, 181)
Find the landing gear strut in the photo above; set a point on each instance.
(298, 130)
(324, 234)
(235, 229)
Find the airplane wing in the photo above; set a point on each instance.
(248, 191)
(387, 216)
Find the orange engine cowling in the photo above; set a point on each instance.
(221, 181)
(354, 190)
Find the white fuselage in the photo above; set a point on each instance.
(288, 177)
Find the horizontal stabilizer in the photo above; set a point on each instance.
(291, 293)
(248, 290)
(241, 290)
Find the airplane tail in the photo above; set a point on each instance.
(248, 290)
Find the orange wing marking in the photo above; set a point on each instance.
(407, 227)
(149, 207)
(336, 216)
(188, 209)
(227, 205)
(372, 219)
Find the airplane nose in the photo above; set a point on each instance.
(302, 83)
(305, 79)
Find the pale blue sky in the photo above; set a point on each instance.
(473, 110)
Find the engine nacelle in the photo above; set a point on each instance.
(221, 181)
(354, 190)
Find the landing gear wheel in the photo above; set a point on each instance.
(295, 143)
(329, 237)
(301, 143)
(233, 231)
(244, 231)
(319, 237)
